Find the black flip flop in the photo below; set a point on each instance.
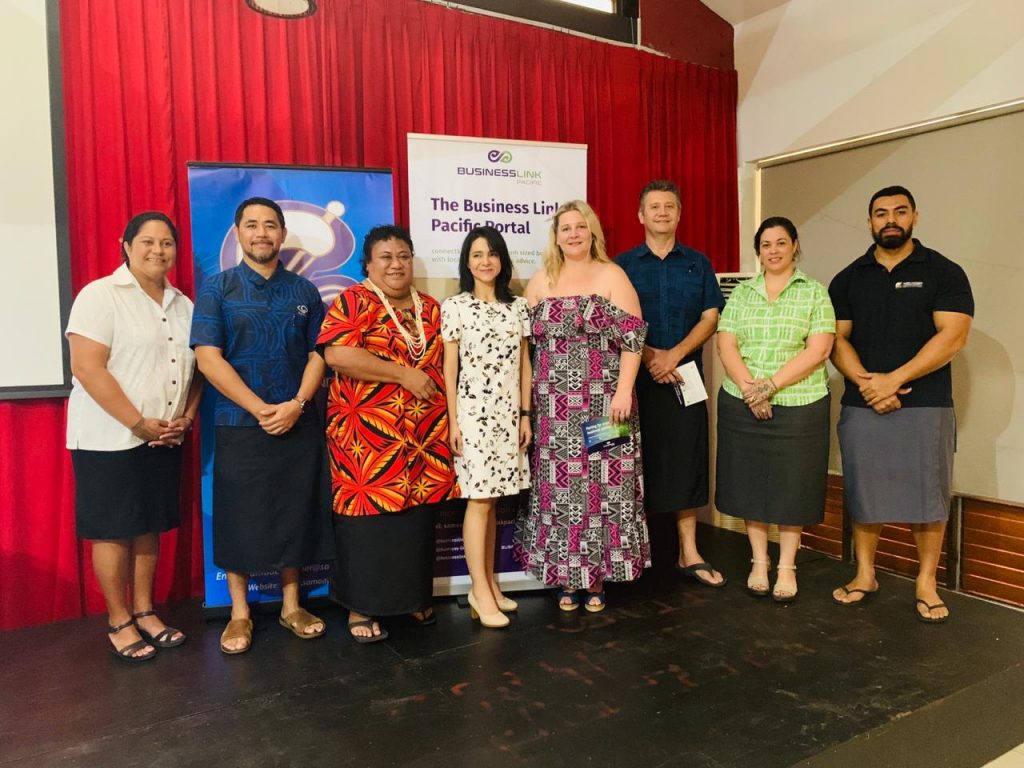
(425, 619)
(692, 571)
(930, 619)
(368, 623)
(866, 592)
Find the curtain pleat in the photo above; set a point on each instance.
(152, 84)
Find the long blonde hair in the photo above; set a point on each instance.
(553, 258)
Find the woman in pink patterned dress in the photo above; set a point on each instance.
(586, 522)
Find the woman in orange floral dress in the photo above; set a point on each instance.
(387, 437)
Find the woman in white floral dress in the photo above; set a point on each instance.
(487, 378)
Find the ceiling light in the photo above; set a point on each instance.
(608, 6)
(283, 9)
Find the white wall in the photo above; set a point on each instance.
(817, 71)
(30, 330)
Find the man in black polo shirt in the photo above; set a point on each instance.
(903, 311)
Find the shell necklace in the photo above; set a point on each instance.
(417, 345)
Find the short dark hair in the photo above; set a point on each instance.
(659, 185)
(498, 245)
(258, 201)
(379, 234)
(138, 221)
(892, 192)
(775, 221)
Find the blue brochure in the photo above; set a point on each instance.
(600, 434)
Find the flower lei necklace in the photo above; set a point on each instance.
(417, 345)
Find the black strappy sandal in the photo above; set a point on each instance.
(127, 654)
(161, 639)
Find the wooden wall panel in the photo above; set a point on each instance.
(993, 549)
(827, 537)
(897, 552)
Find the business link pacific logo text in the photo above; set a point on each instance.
(502, 157)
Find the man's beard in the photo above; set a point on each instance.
(891, 241)
(263, 259)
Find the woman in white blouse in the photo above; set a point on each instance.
(488, 377)
(134, 396)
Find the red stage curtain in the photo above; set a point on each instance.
(152, 84)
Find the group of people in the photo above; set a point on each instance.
(432, 401)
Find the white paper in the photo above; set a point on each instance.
(692, 387)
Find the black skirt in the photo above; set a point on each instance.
(271, 498)
(675, 448)
(124, 494)
(385, 563)
(772, 471)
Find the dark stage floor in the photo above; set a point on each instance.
(672, 674)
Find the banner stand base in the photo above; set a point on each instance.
(516, 581)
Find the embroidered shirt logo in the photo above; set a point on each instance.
(910, 284)
(302, 309)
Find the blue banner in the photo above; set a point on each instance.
(327, 213)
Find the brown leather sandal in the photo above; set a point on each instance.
(237, 628)
(299, 620)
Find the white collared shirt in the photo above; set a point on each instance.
(149, 357)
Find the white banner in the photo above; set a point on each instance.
(458, 183)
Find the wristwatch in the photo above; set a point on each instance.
(302, 403)
(524, 412)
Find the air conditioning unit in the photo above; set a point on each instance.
(714, 375)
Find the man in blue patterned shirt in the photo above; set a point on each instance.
(680, 299)
(254, 331)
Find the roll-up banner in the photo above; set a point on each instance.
(457, 183)
(327, 212)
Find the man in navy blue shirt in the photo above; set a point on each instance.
(254, 331)
(680, 300)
